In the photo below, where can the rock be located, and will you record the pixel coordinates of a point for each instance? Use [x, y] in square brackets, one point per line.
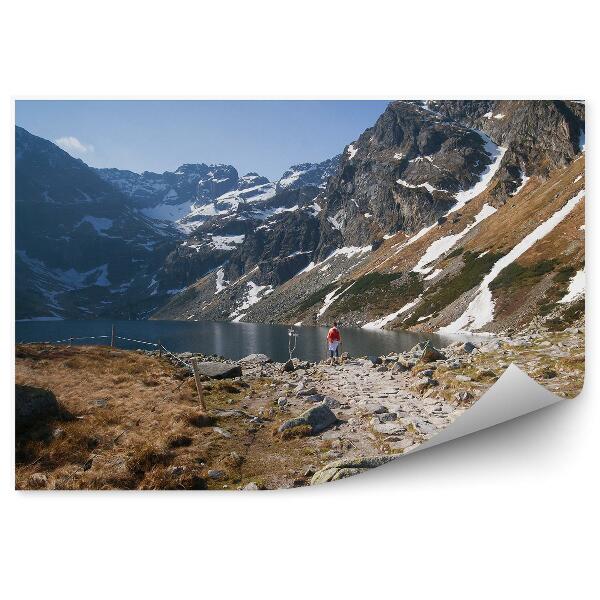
[463, 396]
[176, 471]
[288, 367]
[400, 367]
[256, 359]
[463, 378]
[468, 347]
[235, 459]
[282, 401]
[431, 354]
[486, 373]
[251, 486]
[375, 360]
[216, 474]
[318, 418]
[100, 402]
[382, 369]
[424, 382]
[389, 428]
[377, 409]
[307, 391]
[385, 417]
[314, 398]
[38, 481]
[219, 370]
[426, 373]
[310, 471]
[346, 467]
[331, 402]
[222, 432]
[33, 404]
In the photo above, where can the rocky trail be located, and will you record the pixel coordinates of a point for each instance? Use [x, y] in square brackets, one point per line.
[102, 418]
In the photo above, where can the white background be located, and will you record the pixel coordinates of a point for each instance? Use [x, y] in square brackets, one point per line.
[506, 513]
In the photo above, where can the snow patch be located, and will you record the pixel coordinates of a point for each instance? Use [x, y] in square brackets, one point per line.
[253, 295]
[98, 223]
[496, 153]
[524, 180]
[380, 323]
[576, 288]
[226, 242]
[220, 283]
[443, 244]
[351, 151]
[481, 309]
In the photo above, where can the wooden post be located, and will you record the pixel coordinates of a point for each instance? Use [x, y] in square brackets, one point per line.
[198, 384]
[112, 337]
[70, 342]
[159, 349]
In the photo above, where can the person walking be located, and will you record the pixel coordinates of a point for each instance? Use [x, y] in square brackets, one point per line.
[334, 340]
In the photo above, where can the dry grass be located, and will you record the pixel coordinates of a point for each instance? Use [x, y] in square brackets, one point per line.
[132, 421]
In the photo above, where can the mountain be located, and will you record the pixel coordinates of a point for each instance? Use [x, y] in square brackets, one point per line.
[444, 215]
[447, 215]
[81, 250]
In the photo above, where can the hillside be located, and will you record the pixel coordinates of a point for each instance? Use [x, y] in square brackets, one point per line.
[444, 216]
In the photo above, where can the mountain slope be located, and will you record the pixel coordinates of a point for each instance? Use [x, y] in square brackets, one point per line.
[414, 221]
[81, 251]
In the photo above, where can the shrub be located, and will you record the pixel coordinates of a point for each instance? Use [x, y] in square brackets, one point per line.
[452, 287]
[516, 275]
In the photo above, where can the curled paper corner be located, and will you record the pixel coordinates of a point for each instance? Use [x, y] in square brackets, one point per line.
[513, 395]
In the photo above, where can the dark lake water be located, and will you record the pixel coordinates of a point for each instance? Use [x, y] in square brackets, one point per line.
[232, 340]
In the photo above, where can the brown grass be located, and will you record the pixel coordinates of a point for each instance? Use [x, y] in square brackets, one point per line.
[132, 421]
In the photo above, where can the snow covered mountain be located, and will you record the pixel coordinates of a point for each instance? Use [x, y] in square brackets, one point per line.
[445, 216]
[81, 250]
[194, 193]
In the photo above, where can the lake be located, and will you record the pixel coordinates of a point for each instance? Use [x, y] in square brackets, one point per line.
[232, 340]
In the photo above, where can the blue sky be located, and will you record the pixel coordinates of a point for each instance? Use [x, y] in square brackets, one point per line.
[159, 135]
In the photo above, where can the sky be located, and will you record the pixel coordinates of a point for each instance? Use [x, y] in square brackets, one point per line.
[266, 136]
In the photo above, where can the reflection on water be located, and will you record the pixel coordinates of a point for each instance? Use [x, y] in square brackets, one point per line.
[233, 340]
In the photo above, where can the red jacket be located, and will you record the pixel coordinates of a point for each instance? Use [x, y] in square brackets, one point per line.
[333, 335]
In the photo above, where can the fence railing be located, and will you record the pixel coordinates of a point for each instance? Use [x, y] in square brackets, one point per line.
[113, 337]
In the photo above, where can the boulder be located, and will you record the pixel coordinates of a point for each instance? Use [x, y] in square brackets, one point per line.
[424, 382]
[400, 367]
[347, 467]
[375, 360]
[314, 398]
[468, 347]
[288, 367]
[431, 354]
[318, 418]
[307, 391]
[34, 404]
[219, 370]
[256, 359]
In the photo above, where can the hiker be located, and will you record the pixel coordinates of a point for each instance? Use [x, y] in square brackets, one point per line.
[333, 342]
